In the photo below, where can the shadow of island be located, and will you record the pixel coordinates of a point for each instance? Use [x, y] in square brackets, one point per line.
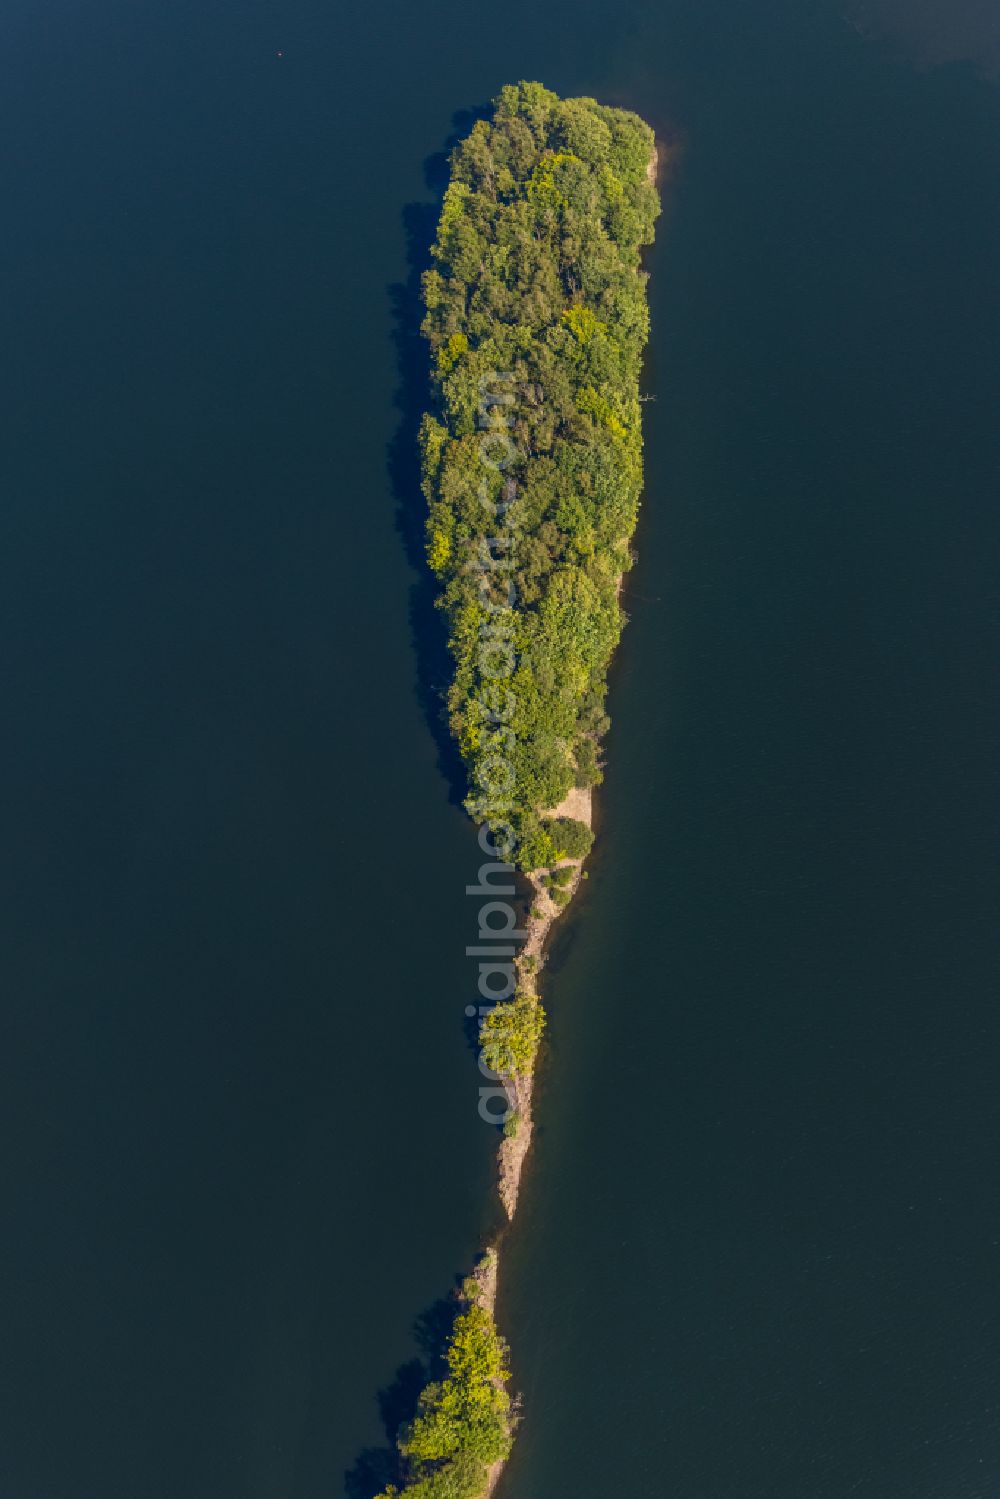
[411, 400]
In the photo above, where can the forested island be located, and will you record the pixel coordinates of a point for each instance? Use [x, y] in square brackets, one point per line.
[531, 459]
[536, 302]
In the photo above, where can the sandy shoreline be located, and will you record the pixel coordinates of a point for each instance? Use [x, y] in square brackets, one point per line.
[520, 1090]
[511, 1155]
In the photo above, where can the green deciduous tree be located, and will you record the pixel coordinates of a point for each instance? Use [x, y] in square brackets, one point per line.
[510, 1033]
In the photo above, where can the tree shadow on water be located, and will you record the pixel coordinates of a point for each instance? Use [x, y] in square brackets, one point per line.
[412, 400]
[376, 1467]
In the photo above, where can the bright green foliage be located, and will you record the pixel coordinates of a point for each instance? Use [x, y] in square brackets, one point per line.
[532, 458]
[463, 1422]
[570, 839]
[510, 1033]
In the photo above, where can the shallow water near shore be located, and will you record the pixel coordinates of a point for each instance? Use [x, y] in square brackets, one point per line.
[756, 1249]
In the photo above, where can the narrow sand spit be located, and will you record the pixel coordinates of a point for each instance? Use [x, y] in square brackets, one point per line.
[511, 1155]
[485, 1276]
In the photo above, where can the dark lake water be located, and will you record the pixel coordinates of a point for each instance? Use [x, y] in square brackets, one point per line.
[759, 1241]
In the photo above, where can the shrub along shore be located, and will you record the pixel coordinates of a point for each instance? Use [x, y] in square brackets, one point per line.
[531, 456]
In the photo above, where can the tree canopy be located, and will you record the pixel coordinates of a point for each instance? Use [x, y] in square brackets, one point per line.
[463, 1422]
[532, 452]
[510, 1034]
